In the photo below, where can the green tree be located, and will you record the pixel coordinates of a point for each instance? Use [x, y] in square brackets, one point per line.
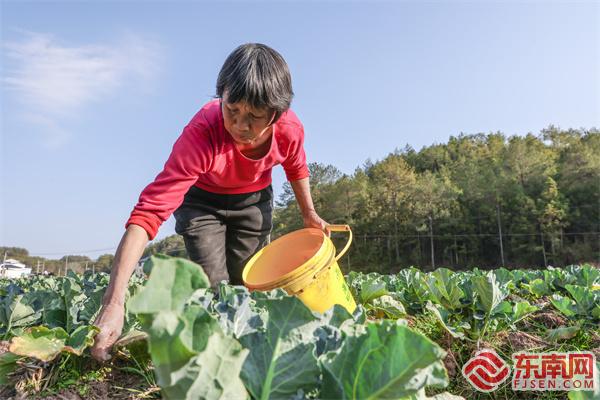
[172, 245]
[391, 184]
[13, 252]
[552, 212]
[104, 263]
[434, 197]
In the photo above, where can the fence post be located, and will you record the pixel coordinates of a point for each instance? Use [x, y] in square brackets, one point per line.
[419, 245]
[500, 232]
[543, 248]
[431, 240]
[455, 250]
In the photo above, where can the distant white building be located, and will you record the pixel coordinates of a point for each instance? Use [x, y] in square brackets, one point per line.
[11, 268]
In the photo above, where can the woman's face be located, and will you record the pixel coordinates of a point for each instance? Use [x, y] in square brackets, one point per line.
[244, 123]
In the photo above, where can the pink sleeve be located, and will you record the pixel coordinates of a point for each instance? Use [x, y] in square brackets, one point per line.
[190, 157]
[295, 164]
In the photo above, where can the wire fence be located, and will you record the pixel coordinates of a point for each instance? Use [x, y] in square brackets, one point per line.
[494, 248]
[463, 250]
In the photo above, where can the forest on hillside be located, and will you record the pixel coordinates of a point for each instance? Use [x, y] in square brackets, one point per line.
[482, 200]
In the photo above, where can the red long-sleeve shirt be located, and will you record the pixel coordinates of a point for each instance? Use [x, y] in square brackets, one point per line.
[205, 155]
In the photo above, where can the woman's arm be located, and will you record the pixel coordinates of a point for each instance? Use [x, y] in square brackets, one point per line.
[128, 254]
[310, 217]
[110, 318]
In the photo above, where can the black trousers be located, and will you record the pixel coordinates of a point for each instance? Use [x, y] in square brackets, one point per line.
[222, 231]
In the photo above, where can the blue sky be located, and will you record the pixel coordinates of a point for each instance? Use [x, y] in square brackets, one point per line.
[94, 94]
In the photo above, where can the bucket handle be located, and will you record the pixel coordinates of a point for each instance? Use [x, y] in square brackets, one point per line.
[342, 228]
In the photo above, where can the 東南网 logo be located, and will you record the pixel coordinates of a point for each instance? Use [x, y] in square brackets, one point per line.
[486, 370]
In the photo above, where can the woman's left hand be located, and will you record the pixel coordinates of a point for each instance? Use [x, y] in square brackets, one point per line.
[312, 220]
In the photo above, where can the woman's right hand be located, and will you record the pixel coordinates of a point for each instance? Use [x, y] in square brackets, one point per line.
[111, 317]
[110, 321]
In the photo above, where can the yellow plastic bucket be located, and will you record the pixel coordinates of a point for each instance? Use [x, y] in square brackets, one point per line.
[303, 263]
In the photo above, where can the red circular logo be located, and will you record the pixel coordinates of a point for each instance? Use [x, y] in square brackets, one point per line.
[486, 370]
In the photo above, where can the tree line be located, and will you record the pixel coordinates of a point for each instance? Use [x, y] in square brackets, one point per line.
[75, 263]
[483, 200]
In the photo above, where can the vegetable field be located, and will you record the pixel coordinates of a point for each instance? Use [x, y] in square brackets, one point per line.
[408, 339]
